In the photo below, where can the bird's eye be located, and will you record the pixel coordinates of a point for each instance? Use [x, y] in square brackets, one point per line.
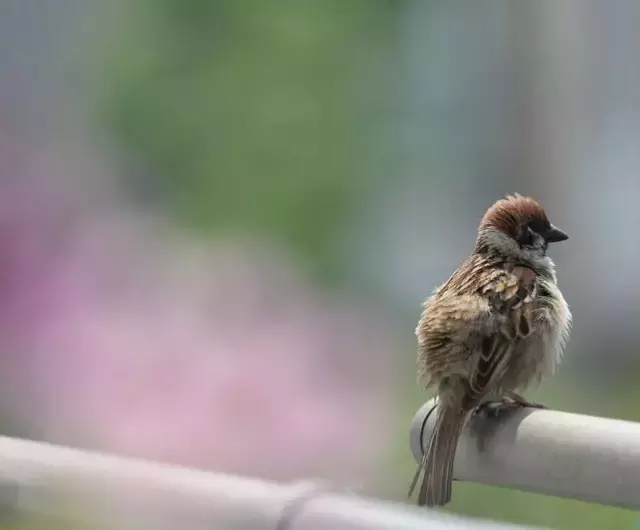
[527, 238]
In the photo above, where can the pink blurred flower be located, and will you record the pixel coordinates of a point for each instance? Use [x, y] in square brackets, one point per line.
[122, 335]
[221, 359]
[40, 206]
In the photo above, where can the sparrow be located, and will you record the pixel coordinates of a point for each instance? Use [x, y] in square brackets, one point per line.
[496, 326]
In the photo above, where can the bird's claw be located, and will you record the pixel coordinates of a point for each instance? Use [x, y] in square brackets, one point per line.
[494, 409]
[533, 405]
[522, 402]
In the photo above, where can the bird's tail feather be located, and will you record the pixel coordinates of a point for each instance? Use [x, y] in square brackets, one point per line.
[439, 456]
[414, 482]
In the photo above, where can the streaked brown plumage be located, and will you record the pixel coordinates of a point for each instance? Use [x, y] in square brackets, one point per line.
[498, 324]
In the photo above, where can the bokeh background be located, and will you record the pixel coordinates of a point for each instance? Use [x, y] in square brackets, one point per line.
[218, 220]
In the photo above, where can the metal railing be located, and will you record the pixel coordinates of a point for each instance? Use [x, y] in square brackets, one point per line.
[546, 451]
[103, 491]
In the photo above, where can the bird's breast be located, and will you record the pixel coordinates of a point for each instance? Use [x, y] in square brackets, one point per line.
[539, 354]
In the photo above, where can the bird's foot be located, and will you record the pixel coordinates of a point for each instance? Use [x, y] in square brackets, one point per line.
[495, 409]
[511, 401]
[523, 402]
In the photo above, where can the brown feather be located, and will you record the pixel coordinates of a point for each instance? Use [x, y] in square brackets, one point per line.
[511, 213]
[440, 455]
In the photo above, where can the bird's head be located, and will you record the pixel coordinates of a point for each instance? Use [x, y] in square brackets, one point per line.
[517, 227]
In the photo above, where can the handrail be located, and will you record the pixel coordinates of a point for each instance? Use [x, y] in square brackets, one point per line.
[545, 451]
[115, 492]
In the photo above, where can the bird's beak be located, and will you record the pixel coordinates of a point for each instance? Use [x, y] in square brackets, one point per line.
[554, 234]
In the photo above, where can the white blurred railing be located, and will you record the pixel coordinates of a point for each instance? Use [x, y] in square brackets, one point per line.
[102, 491]
[545, 451]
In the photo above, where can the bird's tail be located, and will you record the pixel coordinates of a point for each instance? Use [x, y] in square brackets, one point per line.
[437, 462]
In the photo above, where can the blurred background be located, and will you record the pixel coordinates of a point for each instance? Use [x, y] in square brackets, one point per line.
[218, 220]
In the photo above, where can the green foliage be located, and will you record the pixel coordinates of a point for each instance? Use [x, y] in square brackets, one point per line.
[251, 114]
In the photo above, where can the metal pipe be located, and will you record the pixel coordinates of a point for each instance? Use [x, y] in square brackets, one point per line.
[545, 451]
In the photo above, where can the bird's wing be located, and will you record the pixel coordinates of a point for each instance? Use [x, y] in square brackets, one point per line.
[453, 320]
[470, 323]
[511, 296]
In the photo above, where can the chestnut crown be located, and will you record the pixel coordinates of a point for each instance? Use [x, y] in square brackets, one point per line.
[522, 220]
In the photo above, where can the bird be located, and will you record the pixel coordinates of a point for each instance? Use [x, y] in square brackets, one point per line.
[498, 325]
